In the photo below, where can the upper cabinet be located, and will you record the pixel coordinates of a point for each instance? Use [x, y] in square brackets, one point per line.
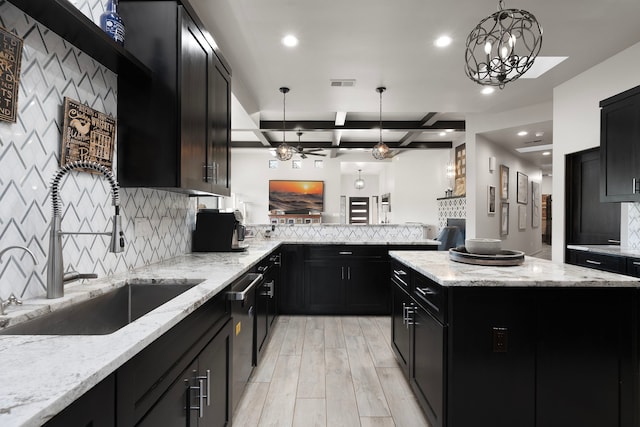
[620, 147]
[174, 132]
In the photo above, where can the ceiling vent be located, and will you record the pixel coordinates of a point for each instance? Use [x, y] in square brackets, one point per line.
[343, 82]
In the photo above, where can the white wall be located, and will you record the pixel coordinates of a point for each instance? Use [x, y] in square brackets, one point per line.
[528, 240]
[547, 185]
[576, 125]
[415, 179]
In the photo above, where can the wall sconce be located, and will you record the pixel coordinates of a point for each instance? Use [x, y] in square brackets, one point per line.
[492, 164]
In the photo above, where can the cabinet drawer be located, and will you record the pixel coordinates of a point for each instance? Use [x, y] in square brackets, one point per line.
[633, 267]
[344, 251]
[430, 295]
[401, 275]
[612, 263]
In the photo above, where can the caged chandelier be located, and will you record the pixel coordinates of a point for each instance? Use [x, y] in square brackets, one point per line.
[380, 151]
[502, 47]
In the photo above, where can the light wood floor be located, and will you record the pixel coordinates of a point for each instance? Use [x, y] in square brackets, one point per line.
[329, 371]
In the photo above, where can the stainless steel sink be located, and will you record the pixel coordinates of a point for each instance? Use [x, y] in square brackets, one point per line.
[103, 314]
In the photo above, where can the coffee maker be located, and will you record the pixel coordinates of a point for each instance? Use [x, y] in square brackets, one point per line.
[218, 231]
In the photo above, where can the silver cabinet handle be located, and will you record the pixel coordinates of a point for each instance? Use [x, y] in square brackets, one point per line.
[399, 272]
[342, 273]
[593, 262]
[410, 311]
[206, 378]
[636, 263]
[348, 273]
[404, 313]
[345, 253]
[613, 241]
[635, 186]
[200, 405]
[426, 291]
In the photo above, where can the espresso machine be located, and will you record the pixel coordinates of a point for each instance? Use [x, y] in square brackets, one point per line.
[219, 231]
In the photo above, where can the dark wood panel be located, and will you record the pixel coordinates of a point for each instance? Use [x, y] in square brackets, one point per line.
[95, 408]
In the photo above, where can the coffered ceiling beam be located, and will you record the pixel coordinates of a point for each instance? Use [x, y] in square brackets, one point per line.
[349, 145]
[327, 126]
[411, 136]
[262, 137]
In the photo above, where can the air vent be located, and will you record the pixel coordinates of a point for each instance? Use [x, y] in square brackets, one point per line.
[531, 142]
[343, 82]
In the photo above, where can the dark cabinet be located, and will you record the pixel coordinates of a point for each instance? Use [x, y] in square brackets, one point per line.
[290, 286]
[175, 132]
[598, 261]
[266, 303]
[401, 302]
[95, 408]
[346, 279]
[589, 220]
[620, 147]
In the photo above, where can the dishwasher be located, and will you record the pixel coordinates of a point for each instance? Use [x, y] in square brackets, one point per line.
[242, 298]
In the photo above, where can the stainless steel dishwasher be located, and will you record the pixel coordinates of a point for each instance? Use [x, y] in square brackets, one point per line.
[242, 297]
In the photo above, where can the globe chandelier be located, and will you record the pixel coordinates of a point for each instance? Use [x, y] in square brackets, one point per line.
[502, 47]
[359, 183]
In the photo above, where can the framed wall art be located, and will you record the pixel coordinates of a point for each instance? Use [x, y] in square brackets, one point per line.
[296, 197]
[504, 218]
[522, 217]
[10, 62]
[535, 204]
[491, 200]
[504, 182]
[523, 188]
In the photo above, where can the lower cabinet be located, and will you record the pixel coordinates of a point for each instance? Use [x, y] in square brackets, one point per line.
[290, 286]
[203, 388]
[526, 357]
[95, 408]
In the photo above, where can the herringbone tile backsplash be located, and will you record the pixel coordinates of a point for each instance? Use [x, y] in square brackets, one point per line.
[29, 157]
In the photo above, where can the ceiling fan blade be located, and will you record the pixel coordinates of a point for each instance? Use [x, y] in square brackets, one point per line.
[316, 154]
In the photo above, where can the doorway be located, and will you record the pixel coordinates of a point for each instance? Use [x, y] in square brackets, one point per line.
[358, 210]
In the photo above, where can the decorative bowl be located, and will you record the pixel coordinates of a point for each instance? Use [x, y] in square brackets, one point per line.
[483, 246]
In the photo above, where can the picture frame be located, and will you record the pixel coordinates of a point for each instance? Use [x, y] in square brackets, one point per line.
[273, 164]
[296, 164]
[491, 200]
[522, 217]
[522, 183]
[536, 202]
[504, 218]
[504, 182]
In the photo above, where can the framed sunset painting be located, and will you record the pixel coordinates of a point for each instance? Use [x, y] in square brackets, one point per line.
[296, 197]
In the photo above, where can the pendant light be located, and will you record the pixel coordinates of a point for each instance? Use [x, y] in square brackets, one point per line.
[380, 150]
[359, 183]
[502, 47]
[284, 151]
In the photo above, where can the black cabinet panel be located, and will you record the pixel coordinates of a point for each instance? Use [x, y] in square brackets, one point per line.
[589, 221]
[291, 285]
[325, 287]
[612, 263]
[620, 147]
[95, 408]
[400, 332]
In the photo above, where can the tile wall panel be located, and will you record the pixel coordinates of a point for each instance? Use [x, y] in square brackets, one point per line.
[633, 224]
[339, 232]
[29, 157]
[455, 207]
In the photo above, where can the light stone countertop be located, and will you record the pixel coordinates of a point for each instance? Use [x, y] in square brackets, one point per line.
[41, 375]
[534, 272]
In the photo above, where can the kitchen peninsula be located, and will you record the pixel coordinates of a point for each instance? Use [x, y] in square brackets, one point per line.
[539, 344]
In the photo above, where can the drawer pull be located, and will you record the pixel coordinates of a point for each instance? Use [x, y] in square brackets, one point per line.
[399, 272]
[589, 261]
[345, 253]
[636, 262]
[426, 291]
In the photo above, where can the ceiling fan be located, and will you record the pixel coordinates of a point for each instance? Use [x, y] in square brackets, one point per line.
[303, 152]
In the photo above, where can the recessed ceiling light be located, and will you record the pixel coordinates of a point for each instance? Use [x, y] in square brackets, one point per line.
[443, 133]
[523, 133]
[290, 40]
[449, 130]
[539, 134]
[546, 153]
[443, 41]
[533, 148]
[488, 90]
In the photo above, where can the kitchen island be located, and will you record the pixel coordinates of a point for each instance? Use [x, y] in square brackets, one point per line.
[539, 344]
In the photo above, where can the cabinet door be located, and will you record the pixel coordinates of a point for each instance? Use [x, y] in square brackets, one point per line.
[620, 145]
[195, 59]
[367, 286]
[260, 320]
[400, 333]
[324, 286]
[427, 373]
[291, 287]
[589, 221]
[220, 128]
[170, 409]
[214, 363]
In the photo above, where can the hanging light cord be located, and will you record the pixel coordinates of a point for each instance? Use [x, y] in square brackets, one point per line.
[381, 90]
[284, 112]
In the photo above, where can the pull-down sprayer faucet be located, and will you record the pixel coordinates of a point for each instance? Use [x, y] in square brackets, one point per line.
[55, 266]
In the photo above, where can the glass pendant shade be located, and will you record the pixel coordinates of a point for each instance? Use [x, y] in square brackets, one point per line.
[502, 47]
[284, 152]
[359, 183]
[380, 151]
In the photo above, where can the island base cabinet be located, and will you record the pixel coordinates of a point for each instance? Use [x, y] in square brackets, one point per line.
[400, 332]
[95, 408]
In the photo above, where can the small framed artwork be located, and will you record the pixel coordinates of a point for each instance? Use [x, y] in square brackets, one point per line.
[296, 164]
[504, 218]
[504, 182]
[491, 200]
[535, 204]
[273, 164]
[523, 188]
[307, 220]
[281, 220]
[274, 220]
[291, 221]
[522, 217]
